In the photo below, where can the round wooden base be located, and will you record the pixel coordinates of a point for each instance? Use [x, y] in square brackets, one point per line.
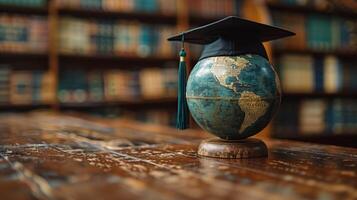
[238, 149]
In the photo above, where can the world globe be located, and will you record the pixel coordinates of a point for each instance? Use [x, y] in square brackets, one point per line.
[233, 97]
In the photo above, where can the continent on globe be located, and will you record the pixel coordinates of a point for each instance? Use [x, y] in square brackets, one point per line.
[224, 67]
[253, 107]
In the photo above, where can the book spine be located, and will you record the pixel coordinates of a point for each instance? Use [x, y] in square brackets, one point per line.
[21, 87]
[4, 84]
[319, 74]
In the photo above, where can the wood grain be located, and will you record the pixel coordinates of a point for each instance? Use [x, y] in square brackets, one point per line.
[234, 149]
[53, 156]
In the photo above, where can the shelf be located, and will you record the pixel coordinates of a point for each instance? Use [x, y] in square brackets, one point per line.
[339, 53]
[155, 18]
[89, 60]
[24, 60]
[345, 139]
[23, 10]
[18, 55]
[22, 107]
[299, 95]
[310, 10]
[129, 103]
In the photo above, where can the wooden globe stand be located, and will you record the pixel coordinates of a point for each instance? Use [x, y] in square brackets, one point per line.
[236, 149]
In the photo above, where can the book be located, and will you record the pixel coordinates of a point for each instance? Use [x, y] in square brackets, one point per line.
[21, 87]
[47, 92]
[95, 86]
[79, 86]
[170, 81]
[320, 75]
[73, 86]
[332, 75]
[312, 116]
[111, 90]
[133, 85]
[4, 84]
[349, 75]
[37, 77]
[104, 38]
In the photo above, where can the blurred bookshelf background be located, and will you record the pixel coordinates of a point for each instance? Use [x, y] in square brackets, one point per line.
[318, 70]
[111, 58]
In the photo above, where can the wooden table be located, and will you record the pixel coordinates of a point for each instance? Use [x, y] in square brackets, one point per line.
[52, 156]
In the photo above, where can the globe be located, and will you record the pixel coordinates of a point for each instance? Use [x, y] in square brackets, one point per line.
[233, 97]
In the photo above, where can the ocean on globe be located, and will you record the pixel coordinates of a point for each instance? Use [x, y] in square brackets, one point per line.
[233, 97]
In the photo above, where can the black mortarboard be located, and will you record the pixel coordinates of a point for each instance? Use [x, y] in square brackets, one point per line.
[232, 36]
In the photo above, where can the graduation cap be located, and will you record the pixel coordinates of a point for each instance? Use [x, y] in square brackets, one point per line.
[231, 36]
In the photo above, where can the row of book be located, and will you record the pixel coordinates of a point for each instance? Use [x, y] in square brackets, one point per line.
[149, 6]
[24, 87]
[306, 74]
[25, 3]
[114, 85]
[214, 8]
[204, 8]
[323, 5]
[317, 116]
[316, 31]
[23, 34]
[115, 37]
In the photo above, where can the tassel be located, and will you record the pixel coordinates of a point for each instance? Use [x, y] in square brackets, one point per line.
[182, 110]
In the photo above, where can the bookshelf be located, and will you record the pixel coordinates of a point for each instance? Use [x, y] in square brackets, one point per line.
[53, 61]
[322, 108]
